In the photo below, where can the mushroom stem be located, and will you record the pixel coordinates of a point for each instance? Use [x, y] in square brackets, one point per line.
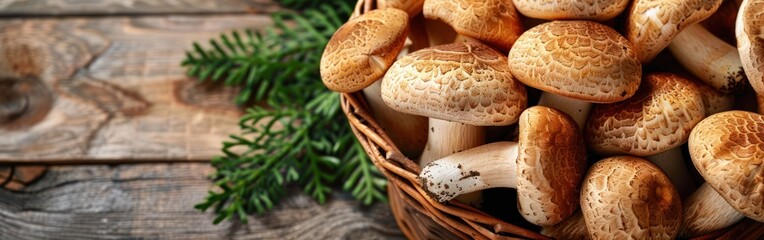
[408, 132]
[709, 58]
[672, 163]
[577, 109]
[760, 103]
[572, 227]
[488, 166]
[707, 211]
[446, 138]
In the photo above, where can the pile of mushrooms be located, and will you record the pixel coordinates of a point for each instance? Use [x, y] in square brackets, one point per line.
[587, 108]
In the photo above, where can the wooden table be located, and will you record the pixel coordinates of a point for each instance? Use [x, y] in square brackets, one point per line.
[103, 136]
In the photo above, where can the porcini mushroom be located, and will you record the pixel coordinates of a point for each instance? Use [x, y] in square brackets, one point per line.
[651, 25]
[599, 10]
[627, 197]
[358, 55]
[461, 87]
[727, 149]
[653, 123]
[714, 61]
[545, 167]
[493, 22]
[750, 41]
[581, 61]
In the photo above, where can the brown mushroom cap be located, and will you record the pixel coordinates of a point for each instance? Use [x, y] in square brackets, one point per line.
[494, 22]
[550, 164]
[577, 59]
[750, 41]
[728, 150]
[651, 25]
[630, 198]
[360, 52]
[461, 82]
[657, 118]
[598, 10]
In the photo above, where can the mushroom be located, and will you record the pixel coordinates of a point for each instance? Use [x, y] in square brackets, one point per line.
[576, 63]
[358, 55]
[545, 167]
[651, 25]
[714, 61]
[599, 10]
[627, 197]
[461, 87]
[750, 41]
[653, 123]
[493, 22]
[727, 149]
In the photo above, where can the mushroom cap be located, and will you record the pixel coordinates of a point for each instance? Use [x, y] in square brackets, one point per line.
[598, 10]
[627, 197]
[728, 150]
[657, 118]
[362, 49]
[461, 82]
[551, 162]
[494, 22]
[651, 25]
[577, 59]
[750, 41]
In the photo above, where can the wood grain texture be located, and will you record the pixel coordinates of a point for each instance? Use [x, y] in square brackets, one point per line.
[111, 90]
[110, 7]
[155, 201]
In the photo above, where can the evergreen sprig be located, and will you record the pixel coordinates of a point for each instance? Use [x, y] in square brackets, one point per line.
[300, 136]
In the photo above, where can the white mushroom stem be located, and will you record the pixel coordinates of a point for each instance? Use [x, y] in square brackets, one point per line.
[707, 211]
[709, 58]
[672, 163]
[488, 166]
[446, 138]
[572, 227]
[577, 109]
[408, 132]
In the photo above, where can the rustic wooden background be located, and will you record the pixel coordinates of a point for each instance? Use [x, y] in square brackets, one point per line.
[103, 137]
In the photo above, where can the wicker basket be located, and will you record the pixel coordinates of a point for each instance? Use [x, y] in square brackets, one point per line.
[421, 217]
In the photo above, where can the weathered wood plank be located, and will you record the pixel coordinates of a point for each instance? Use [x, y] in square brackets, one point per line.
[110, 7]
[111, 90]
[155, 201]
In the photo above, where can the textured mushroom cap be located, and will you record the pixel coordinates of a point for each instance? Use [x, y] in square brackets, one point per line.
[599, 10]
[651, 25]
[577, 59]
[750, 41]
[630, 198]
[550, 164]
[728, 150]
[362, 49]
[494, 22]
[659, 117]
[461, 82]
